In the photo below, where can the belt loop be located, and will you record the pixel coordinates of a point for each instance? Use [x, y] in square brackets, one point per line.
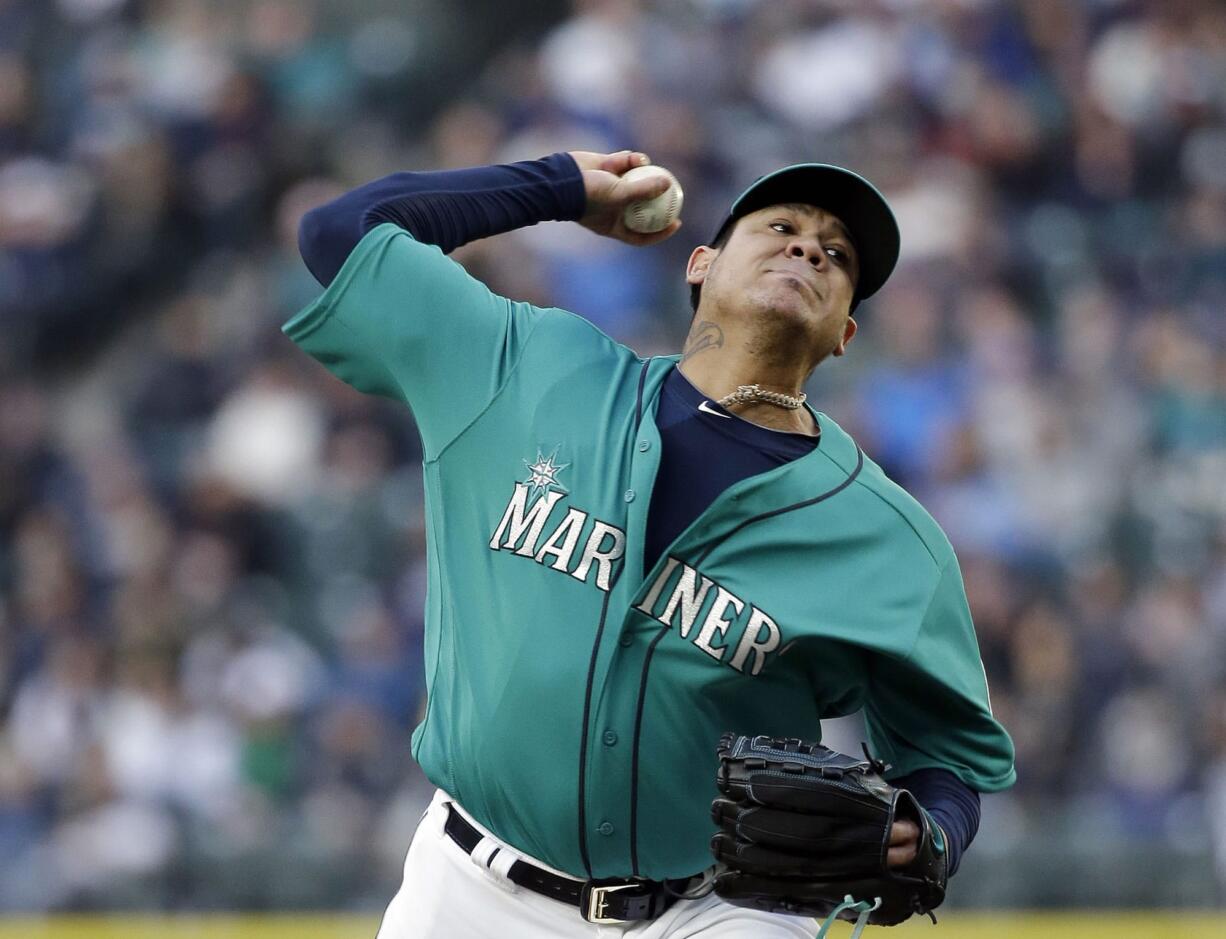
[501, 864]
[486, 854]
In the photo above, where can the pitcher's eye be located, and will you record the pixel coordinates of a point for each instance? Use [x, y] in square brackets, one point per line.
[784, 228]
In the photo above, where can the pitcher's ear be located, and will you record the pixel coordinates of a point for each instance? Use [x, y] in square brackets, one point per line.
[699, 264]
[849, 333]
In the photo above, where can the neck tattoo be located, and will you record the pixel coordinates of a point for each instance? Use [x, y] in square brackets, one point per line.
[745, 394]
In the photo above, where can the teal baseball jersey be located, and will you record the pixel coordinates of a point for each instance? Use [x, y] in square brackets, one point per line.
[575, 696]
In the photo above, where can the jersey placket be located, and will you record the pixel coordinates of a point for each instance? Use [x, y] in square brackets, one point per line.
[618, 661]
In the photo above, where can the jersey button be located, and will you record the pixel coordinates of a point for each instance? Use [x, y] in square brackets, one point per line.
[625, 642]
[644, 446]
[605, 828]
[610, 738]
[629, 495]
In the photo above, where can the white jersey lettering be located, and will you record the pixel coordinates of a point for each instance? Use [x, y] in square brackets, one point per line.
[603, 559]
[689, 597]
[760, 638]
[657, 587]
[716, 623]
[520, 523]
[563, 541]
[753, 644]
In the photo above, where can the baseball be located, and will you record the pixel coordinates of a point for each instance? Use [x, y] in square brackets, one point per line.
[652, 215]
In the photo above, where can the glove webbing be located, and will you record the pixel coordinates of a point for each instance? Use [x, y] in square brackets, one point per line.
[862, 907]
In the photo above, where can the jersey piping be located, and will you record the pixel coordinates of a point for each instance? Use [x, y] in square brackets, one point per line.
[587, 713]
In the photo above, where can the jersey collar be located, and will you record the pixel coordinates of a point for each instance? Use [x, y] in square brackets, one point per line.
[836, 445]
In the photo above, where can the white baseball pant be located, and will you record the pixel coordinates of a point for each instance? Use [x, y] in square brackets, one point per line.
[448, 894]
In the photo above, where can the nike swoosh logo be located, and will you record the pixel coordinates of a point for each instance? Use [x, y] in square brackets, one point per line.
[707, 409]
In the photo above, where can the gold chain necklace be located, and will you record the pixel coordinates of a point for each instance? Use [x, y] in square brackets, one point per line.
[744, 394]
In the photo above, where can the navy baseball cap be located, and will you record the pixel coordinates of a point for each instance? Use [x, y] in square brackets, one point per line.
[847, 195]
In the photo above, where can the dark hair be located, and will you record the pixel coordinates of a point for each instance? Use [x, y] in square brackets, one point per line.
[718, 242]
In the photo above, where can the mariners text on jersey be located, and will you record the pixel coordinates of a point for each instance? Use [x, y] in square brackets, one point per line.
[523, 527]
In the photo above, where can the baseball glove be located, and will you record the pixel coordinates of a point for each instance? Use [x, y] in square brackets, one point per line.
[805, 830]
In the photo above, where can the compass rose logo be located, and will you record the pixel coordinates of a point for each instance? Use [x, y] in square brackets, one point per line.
[543, 474]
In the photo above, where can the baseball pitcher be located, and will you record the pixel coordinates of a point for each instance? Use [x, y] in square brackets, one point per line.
[651, 579]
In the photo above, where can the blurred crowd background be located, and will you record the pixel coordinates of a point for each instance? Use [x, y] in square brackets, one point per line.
[211, 552]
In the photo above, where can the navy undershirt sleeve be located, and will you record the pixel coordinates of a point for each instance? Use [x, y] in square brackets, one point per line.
[447, 208]
[951, 802]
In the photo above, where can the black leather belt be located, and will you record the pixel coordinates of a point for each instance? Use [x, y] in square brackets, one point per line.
[599, 901]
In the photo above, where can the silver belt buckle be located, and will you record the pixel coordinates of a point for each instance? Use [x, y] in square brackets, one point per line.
[597, 904]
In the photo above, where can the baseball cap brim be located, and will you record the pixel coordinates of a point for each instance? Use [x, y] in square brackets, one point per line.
[847, 195]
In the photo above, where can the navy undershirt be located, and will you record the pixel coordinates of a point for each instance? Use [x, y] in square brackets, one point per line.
[702, 453]
[705, 449]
